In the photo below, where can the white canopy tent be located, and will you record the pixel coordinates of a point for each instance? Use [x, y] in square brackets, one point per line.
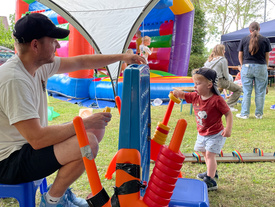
[108, 25]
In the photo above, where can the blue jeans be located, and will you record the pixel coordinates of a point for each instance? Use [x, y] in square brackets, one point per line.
[257, 74]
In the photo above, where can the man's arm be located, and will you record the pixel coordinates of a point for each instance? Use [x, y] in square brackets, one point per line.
[39, 137]
[240, 57]
[81, 62]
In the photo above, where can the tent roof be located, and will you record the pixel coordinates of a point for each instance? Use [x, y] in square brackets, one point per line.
[107, 25]
[267, 30]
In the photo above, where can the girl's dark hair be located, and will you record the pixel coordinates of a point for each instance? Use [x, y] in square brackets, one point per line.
[254, 28]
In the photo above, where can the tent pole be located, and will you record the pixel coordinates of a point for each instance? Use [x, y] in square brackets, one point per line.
[265, 10]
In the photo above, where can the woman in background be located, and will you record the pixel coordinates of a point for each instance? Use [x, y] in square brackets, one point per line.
[254, 56]
[218, 62]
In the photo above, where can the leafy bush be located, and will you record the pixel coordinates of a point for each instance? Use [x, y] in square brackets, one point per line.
[196, 61]
[6, 39]
[199, 31]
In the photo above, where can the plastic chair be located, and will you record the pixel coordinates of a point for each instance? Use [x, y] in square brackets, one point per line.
[23, 192]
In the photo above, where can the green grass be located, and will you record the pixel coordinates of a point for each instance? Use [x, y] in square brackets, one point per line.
[240, 184]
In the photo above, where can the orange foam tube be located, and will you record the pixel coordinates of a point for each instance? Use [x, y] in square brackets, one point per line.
[118, 103]
[90, 165]
[178, 135]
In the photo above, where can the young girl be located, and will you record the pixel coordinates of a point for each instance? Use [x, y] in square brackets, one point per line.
[145, 51]
[218, 62]
[209, 107]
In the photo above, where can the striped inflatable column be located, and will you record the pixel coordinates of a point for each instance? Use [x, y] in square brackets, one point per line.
[182, 37]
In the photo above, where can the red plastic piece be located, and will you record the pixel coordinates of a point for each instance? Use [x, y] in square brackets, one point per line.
[177, 157]
[167, 170]
[169, 163]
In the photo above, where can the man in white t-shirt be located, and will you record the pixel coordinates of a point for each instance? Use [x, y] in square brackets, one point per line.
[29, 148]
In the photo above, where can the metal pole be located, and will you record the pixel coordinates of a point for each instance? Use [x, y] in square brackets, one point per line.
[265, 10]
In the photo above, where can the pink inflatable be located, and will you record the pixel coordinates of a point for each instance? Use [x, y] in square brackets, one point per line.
[63, 50]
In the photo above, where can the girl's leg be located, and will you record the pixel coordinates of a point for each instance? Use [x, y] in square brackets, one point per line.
[236, 89]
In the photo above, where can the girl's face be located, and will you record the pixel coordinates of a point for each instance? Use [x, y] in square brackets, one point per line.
[202, 86]
[147, 42]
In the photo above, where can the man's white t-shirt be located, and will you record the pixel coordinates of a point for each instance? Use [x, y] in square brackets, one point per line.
[22, 97]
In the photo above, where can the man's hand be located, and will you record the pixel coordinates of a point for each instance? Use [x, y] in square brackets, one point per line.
[131, 59]
[97, 120]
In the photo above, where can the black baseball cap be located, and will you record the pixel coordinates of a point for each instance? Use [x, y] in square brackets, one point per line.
[211, 75]
[35, 26]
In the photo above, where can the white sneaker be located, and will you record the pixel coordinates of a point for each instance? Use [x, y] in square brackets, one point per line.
[242, 117]
[258, 116]
[233, 109]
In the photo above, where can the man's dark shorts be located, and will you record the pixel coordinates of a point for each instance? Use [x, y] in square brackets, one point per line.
[27, 165]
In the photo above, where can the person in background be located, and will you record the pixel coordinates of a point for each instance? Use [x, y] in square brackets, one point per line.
[227, 96]
[218, 62]
[209, 107]
[145, 51]
[138, 41]
[254, 56]
[29, 148]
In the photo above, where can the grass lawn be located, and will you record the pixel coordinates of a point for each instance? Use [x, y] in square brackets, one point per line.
[240, 184]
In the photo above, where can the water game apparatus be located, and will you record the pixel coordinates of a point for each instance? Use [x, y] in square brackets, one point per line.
[127, 190]
[166, 171]
[162, 129]
[159, 136]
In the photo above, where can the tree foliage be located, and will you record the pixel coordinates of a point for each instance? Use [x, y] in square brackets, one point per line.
[199, 32]
[197, 57]
[6, 39]
[224, 16]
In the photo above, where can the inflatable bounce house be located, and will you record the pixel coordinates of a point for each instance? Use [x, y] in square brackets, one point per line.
[112, 30]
